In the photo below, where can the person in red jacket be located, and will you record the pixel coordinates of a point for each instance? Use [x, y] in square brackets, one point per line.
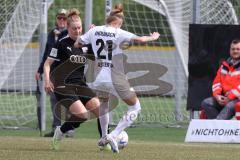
[225, 88]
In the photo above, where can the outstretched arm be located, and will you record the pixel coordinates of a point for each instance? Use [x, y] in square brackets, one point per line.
[153, 36]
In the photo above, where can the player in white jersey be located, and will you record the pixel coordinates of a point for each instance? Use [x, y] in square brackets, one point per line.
[107, 43]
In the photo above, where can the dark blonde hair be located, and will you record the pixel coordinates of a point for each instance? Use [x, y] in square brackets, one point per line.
[116, 13]
[73, 16]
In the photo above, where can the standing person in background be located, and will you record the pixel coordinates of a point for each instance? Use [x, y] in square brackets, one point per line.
[225, 88]
[57, 32]
[107, 43]
[68, 80]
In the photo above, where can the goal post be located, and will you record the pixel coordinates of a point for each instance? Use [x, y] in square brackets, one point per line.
[41, 107]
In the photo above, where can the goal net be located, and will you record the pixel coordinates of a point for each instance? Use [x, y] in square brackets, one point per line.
[19, 20]
[19, 58]
[158, 70]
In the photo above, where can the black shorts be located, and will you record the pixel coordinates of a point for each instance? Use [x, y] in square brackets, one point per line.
[67, 95]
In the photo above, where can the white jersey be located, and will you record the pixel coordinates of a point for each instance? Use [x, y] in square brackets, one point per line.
[106, 43]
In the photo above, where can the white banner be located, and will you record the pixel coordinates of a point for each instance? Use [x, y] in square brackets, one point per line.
[217, 131]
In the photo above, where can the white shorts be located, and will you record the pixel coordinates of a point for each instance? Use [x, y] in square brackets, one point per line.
[103, 89]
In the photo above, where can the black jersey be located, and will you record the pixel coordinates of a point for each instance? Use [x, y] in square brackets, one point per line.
[69, 62]
[51, 40]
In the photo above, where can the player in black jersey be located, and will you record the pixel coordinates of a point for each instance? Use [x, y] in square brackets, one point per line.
[67, 81]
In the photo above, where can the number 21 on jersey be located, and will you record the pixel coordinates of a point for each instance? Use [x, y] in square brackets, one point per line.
[101, 44]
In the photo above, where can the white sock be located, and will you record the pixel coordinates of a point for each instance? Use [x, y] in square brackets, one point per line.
[104, 118]
[128, 118]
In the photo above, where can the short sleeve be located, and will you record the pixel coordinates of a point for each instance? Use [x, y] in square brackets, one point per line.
[86, 38]
[127, 35]
[54, 52]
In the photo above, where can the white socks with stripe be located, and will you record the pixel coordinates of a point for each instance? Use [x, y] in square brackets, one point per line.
[128, 118]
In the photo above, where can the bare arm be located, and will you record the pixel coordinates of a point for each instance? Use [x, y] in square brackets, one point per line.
[153, 36]
[48, 84]
[77, 43]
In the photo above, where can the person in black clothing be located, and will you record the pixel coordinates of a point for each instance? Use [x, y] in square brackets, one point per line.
[67, 80]
[56, 33]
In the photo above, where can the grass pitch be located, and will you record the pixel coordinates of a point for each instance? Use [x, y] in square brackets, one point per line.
[144, 144]
[85, 149]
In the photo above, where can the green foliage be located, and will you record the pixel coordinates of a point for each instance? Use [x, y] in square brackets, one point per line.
[98, 12]
[236, 5]
[140, 27]
[78, 4]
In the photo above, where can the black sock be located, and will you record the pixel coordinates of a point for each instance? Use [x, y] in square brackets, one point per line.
[67, 126]
[71, 124]
[99, 128]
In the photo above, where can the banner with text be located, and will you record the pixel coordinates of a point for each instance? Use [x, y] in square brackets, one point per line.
[217, 131]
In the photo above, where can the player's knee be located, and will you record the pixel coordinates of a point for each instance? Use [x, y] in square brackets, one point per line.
[206, 103]
[94, 103]
[80, 117]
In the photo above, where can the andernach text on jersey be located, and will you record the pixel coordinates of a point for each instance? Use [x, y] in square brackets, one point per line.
[105, 34]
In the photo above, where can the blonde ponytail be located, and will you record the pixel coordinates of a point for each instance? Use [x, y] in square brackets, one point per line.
[73, 15]
[116, 13]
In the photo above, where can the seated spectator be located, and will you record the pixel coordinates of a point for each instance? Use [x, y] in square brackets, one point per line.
[225, 88]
